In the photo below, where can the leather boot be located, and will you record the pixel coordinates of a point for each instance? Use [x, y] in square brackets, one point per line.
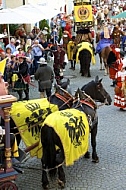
[20, 95]
[26, 95]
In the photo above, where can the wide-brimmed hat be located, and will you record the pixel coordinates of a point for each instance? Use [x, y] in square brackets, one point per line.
[21, 56]
[42, 61]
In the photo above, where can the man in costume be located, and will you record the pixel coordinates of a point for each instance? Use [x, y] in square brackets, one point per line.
[59, 57]
[44, 75]
[116, 35]
[23, 72]
[70, 47]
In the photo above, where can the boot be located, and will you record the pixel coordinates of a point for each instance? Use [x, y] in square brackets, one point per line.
[20, 95]
[26, 95]
[71, 64]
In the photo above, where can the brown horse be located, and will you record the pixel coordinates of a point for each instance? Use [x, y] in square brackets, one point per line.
[103, 55]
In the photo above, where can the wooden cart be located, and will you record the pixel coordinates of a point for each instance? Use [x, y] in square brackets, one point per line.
[7, 172]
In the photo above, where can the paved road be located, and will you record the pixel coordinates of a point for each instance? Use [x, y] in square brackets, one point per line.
[110, 172]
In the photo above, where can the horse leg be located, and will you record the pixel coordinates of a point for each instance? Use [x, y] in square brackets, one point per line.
[100, 61]
[59, 160]
[61, 177]
[93, 143]
[45, 181]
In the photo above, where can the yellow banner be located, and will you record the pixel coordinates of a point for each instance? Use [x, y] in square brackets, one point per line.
[2, 65]
[72, 127]
[29, 117]
[83, 13]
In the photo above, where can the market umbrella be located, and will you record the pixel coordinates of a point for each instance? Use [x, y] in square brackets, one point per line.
[120, 15]
[10, 16]
[37, 10]
[32, 12]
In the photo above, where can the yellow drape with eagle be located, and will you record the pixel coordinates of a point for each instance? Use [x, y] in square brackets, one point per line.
[88, 46]
[28, 117]
[72, 127]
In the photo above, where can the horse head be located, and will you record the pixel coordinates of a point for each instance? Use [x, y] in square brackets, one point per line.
[62, 95]
[97, 92]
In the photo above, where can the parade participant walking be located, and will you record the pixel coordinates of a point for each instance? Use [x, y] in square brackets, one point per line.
[120, 89]
[59, 57]
[70, 47]
[44, 75]
[22, 84]
[116, 35]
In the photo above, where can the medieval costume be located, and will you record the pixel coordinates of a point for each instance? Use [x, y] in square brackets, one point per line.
[120, 89]
[65, 39]
[116, 36]
[70, 47]
[44, 75]
[59, 56]
[113, 62]
[21, 84]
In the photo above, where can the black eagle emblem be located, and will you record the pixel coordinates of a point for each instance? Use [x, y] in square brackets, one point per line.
[76, 129]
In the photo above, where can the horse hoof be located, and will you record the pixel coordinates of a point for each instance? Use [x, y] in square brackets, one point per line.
[61, 184]
[95, 160]
[87, 155]
[45, 187]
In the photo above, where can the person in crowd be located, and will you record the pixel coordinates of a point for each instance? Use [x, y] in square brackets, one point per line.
[52, 23]
[68, 28]
[29, 56]
[59, 57]
[8, 53]
[70, 48]
[11, 45]
[3, 86]
[13, 67]
[44, 44]
[17, 44]
[22, 85]
[116, 36]
[62, 24]
[120, 89]
[37, 50]
[44, 75]
[54, 35]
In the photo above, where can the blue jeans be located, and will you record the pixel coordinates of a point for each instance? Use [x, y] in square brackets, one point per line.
[35, 62]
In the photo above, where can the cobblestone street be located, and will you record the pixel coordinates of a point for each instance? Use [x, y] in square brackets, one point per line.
[110, 172]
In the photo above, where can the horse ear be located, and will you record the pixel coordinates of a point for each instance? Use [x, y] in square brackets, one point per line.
[68, 81]
[100, 80]
[97, 79]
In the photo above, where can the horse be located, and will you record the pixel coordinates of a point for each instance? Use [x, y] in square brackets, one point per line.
[85, 54]
[52, 158]
[103, 49]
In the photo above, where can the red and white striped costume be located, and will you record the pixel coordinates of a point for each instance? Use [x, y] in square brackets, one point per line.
[120, 98]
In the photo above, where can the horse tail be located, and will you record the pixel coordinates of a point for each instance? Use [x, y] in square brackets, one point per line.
[49, 149]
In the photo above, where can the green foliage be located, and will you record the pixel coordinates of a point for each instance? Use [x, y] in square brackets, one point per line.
[43, 23]
[13, 27]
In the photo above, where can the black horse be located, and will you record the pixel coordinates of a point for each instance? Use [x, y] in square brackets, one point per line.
[95, 92]
[49, 138]
[85, 60]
